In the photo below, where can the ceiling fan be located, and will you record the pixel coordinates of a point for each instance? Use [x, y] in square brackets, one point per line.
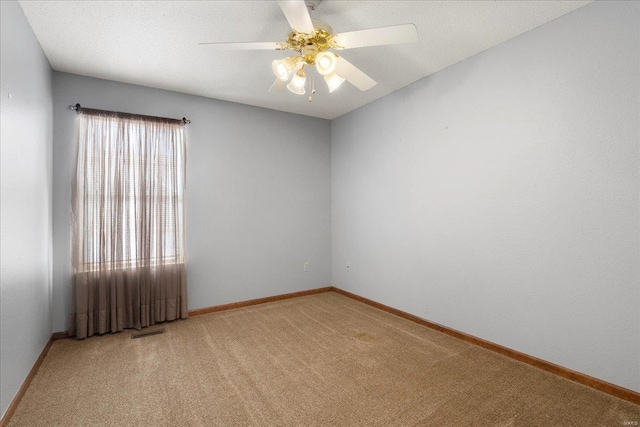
[312, 41]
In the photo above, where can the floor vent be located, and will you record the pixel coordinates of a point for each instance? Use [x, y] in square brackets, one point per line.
[147, 333]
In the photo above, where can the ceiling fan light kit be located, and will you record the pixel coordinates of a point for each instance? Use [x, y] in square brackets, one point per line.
[326, 63]
[296, 85]
[312, 50]
[282, 68]
[311, 40]
[333, 81]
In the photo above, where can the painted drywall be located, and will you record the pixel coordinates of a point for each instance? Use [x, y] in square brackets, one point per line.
[25, 206]
[258, 192]
[499, 197]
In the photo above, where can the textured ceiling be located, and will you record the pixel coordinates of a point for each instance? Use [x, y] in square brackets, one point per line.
[155, 43]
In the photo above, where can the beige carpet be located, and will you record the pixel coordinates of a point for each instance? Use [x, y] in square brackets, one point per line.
[317, 360]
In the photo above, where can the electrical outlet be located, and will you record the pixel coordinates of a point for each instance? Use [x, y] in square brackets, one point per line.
[348, 267]
[306, 266]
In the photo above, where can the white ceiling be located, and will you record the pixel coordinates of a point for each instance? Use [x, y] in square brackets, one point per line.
[155, 43]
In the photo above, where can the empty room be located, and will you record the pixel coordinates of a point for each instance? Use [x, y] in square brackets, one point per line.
[331, 213]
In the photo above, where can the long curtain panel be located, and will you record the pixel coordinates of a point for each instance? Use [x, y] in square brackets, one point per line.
[128, 243]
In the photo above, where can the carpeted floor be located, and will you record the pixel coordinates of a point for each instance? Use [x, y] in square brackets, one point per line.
[316, 360]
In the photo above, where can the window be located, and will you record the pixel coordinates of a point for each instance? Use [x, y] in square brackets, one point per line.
[131, 192]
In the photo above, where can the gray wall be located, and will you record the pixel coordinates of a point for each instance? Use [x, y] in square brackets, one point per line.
[499, 197]
[258, 192]
[25, 205]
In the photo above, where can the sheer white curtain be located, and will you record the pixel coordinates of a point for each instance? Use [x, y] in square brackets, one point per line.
[128, 244]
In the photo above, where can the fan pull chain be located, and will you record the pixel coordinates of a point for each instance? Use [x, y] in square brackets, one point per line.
[313, 86]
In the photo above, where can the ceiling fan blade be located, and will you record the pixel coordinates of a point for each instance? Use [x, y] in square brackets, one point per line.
[405, 33]
[278, 86]
[297, 14]
[353, 75]
[247, 46]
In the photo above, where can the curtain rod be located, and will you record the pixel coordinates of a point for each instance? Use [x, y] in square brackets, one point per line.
[79, 108]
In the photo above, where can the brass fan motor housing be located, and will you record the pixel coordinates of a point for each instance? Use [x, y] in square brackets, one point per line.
[309, 45]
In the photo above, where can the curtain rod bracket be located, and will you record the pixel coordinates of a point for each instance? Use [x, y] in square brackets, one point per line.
[76, 107]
